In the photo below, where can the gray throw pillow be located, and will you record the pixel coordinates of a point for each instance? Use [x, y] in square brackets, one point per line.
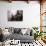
[17, 30]
[11, 29]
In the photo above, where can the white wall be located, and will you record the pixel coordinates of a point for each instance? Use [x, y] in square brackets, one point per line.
[31, 14]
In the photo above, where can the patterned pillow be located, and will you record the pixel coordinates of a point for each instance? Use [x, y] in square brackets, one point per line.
[11, 29]
[17, 30]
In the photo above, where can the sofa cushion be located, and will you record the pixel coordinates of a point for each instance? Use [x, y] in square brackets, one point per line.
[11, 29]
[22, 38]
[23, 31]
[17, 30]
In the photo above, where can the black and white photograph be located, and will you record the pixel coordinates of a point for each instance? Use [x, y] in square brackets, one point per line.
[17, 16]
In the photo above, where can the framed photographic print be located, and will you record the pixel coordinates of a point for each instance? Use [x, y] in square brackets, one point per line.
[15, 16]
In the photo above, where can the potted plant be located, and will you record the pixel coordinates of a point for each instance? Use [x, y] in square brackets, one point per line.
[37, 33]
